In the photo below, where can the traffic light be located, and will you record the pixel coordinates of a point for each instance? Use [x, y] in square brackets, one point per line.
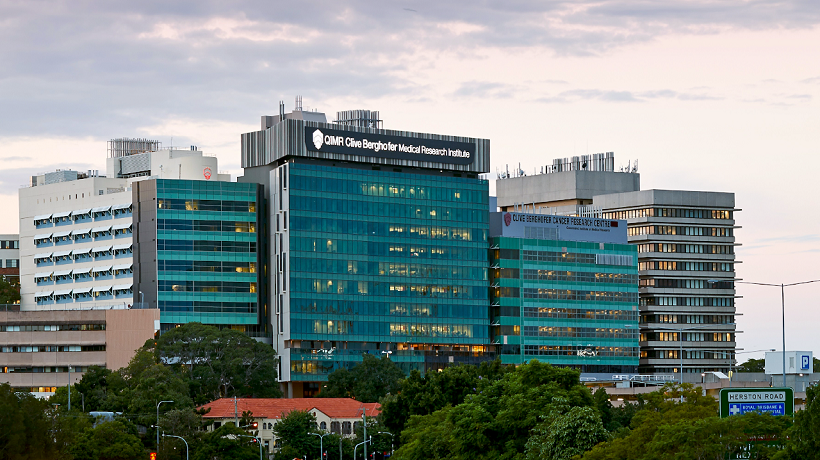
[254, 425]
[152, 456]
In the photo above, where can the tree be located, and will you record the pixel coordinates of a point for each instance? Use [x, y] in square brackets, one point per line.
[94, 387]
[419, 395]
[565, 435]
[496, 420]
[226, 443]
[293, 430]
[9, 291]
[664, 427]
[25, 432]
[752, 365]
[113, 440]
[804, 436]
[218, 363]
[427, 437]
[368, 381]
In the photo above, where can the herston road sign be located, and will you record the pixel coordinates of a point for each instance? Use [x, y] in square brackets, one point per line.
[775, 401]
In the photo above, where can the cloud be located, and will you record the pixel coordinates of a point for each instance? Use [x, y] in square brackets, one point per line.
[16, 158]
[12, 179]
[622, 96]
[484, 89]
[105, 68]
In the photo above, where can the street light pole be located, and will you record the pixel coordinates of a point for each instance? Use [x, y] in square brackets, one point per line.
[178, 437]
[680, 339]
[783, 287]
[258, 440]
[321, 443]
[158, 422]
[391, 440]
[731, 362]
[357, 446]
[69, 388]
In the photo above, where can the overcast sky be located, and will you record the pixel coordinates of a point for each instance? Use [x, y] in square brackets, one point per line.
[706, 95]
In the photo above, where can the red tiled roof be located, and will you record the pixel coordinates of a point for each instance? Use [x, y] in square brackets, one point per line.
[273, 408]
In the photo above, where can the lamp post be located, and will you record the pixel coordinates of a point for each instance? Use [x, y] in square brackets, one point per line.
[158, 422]
[321, 442]
[258, 440]
[732, 361]
[680, 339]
[178, 437]
[391, 440]
[69, 388]
[364, 433]
[782, 287]
[357, 446]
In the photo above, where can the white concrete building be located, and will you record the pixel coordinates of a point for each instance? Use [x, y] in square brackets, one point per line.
[10, 256]
[75, 246]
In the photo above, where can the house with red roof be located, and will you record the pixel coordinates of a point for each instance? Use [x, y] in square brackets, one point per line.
[334, 415]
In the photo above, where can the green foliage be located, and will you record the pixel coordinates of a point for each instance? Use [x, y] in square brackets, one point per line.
[226, 443]
[24, 426]
[293, 430]
[94, 387]
[368, 381]
[804, 436]
[666, 428]
[219, 363]
[9, 291]
[419, 395]
[562, 436]
[113, 440]
[60, 399]
[181, 422]
[427, 437]
[752, 365]
[495, 421]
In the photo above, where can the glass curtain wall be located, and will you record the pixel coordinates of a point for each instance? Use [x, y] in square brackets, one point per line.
[386, 261]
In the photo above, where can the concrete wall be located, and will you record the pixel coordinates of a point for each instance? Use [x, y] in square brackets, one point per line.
[563, 188]
[125, 332]
[666, 197]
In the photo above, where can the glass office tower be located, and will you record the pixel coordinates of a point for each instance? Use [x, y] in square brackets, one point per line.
[559, 297]
[378, 245]
[197, 254]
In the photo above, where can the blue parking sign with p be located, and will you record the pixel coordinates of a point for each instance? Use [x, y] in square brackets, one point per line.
[805, 361]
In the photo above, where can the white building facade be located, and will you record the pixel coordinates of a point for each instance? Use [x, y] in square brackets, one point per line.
[75, 242]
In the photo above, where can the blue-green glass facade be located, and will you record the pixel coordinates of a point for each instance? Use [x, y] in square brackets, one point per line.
[384, 261]
[207, 257]
[562, 303]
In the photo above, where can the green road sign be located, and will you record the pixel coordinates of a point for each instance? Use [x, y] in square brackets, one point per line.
[775, 401]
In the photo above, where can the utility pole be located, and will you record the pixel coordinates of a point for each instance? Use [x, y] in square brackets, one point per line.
[235, 412]
[364, 434]
[69, 388]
